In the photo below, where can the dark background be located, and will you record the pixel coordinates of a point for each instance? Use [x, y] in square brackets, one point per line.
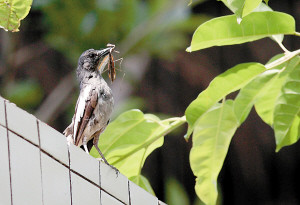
[37, 72]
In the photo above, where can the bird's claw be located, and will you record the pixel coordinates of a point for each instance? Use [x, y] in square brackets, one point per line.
[114, 168]
[111, 166]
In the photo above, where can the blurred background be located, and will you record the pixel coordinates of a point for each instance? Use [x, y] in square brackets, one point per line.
[37, 72]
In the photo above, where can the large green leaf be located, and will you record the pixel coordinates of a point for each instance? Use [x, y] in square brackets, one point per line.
[264, 105]
[129, 139]
[287, 108]
[142, 182]
[242, 7]
[212, 135]
[12, 12]
[263, 7]
[252, 92]
[231, 80]
[226, 31]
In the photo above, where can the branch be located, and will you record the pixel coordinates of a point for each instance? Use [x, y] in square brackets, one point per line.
[283, 59]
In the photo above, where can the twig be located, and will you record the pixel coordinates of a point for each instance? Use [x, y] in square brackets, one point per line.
[282, 47]
[297, 33]
[283, 59]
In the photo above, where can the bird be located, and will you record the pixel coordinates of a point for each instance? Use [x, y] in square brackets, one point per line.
[94, 104]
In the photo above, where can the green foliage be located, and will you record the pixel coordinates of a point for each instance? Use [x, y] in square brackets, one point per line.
[226, 31]
[12, 12]
[212, 135]
[253, 91]
[265, 104]
[25, 94]
[241, 7]
[273, 89]
[287, 109]
[132, 25]
[142, 182]
[231, 80]
[129, 139]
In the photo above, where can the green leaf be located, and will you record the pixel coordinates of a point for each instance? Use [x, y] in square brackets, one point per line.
[231, 80]
[267, 1]
[142, 182]
[286, 113]
[252, 92]
[264, 7]
[226, 31]
[212, 135]
[241, 7]
[129, 139]
[264, 105]
[12, 12]
[175, 193]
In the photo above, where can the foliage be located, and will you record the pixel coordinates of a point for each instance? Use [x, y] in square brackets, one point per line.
[255, 26]
[12, 12]
[25, 94]
[213, 124]
[129, 139]
[76, 25]
[212, 135]
[272, 89]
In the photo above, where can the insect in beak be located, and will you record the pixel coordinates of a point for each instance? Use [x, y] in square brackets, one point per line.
[111, 68]
[108, 59]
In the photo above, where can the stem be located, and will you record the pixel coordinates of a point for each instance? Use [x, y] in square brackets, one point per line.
[297, 33]
[282, 47]
[171, 119]
[283, 59]
[171, 127]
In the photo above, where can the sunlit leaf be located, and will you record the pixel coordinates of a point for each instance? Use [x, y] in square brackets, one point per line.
[129, 139]
[264, 105]
[264, 7]
[12, 12]
[212, 135]
[286, 113]
[252, 92]
[241, 7]
[142, 182]
[226, 31]
[231, 80]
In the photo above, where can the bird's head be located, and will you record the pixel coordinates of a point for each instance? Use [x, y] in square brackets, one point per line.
[89, 61]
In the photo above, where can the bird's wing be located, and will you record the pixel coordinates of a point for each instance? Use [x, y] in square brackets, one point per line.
[85, 106]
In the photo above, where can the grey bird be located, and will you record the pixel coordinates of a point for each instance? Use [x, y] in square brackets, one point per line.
[95, 101]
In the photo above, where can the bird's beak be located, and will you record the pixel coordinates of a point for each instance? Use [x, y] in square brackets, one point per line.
[104, 57]
[103, 52]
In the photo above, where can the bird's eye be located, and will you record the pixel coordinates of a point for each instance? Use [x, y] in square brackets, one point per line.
[91, 55]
